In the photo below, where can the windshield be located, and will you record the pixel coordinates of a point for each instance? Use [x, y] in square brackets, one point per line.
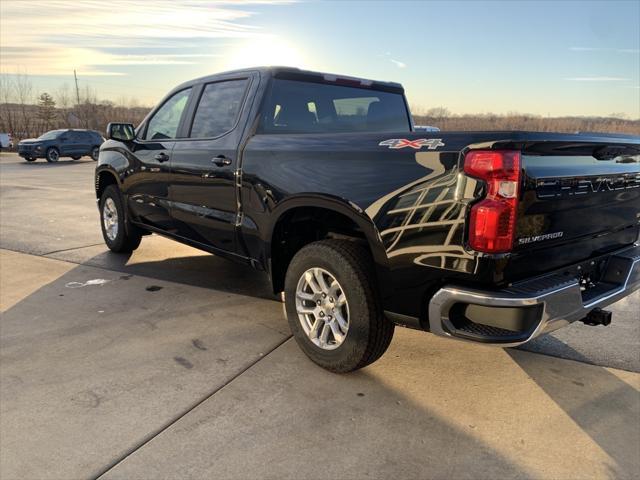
[306, 107]
[50, 135]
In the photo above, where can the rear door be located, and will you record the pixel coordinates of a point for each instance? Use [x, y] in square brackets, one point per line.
[203, 166]
[84, 143]
[147, 184]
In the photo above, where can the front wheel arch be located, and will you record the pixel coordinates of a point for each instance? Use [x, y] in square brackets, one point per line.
[105, 178]
[50, 156]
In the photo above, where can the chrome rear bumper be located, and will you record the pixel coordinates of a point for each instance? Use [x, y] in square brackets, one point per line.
[550, 302]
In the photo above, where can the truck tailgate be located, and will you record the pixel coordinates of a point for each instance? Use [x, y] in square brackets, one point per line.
[579, 200]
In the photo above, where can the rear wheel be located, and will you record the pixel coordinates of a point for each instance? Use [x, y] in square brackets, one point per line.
[119, 235]
[30, 159]
[53, 155]
[333, 308]
[76, 157]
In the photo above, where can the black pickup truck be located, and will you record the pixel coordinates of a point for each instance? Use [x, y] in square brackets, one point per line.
[321, 181]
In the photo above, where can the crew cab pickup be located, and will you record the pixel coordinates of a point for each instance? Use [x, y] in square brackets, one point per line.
[364, 223]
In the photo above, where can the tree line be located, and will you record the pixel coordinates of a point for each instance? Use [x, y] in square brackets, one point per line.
[25, 113]
[442, 118]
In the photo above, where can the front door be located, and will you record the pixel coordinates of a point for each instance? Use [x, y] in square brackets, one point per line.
[69, 143]
[203, 166]
[147, 184]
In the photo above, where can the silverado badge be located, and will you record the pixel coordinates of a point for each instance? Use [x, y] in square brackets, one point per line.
[417, 144]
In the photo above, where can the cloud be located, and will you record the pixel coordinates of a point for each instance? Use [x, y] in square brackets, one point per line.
[86, 35]
[596, 79]
[398, 63]
[602, 49]
[586, 49]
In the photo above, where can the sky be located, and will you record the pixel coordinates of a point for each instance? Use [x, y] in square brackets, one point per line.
[540, 57]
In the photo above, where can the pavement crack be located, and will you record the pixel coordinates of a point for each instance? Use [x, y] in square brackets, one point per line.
[67, 250]
[149, 437]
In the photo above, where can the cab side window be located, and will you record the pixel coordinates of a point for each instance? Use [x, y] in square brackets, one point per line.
[219, 108]
[164, 123]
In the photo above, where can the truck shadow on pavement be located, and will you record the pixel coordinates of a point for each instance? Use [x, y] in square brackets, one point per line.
[200, 270]
[600, 403]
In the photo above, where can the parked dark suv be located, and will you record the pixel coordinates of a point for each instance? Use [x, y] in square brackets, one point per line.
[61, 143]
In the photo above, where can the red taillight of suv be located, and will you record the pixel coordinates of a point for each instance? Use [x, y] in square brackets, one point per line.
[492, 221]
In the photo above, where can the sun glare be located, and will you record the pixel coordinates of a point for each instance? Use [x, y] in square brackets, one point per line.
[265, 51]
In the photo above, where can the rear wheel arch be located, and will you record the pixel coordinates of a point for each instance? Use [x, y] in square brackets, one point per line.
[303, 221]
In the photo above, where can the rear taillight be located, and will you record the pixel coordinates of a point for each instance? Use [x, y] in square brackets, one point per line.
[492, 221]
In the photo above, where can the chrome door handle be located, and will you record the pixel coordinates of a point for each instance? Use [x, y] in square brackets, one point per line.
[221, 161]
[162, 157]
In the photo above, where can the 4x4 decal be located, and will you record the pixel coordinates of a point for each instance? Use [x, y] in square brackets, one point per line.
[417, 144]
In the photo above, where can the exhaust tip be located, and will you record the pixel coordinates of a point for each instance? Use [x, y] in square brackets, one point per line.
[598, 316]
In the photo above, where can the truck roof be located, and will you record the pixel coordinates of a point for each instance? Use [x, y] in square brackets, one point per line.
[290, 72]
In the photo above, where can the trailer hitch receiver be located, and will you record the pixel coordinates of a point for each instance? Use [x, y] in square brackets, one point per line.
[598, 316]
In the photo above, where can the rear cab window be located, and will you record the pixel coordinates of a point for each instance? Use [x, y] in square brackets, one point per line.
[295, 106]
[219, 108]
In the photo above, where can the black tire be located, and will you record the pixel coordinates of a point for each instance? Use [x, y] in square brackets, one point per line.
[95, 153]
[30, 159]
[128, 236]
[370, 332]
[53, 155]
[76, 157]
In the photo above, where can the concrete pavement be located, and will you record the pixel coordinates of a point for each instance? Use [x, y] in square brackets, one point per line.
[170, 363]
[428, 409]
[94, 361]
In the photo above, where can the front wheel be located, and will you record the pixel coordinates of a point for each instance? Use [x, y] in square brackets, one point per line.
[333, 307]
[95, 153]
[76, 157]
[118, 234]
[53, 155]
[30, 159]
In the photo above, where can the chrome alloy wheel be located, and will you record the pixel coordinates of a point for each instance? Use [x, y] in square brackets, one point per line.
[322, 308]
[110, 219]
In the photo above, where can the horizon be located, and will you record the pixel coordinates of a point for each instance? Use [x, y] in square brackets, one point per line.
[565, 61]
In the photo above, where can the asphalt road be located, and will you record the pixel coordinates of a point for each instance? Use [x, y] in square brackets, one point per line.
[172, 363]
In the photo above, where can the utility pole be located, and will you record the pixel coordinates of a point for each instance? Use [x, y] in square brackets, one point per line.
[77, 90]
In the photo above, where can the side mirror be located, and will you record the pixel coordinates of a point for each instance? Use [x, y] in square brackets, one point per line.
[122, 132]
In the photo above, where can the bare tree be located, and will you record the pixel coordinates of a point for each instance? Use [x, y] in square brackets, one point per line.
[64, 102]
[23, 91]
[7, 114]
[438, 113]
